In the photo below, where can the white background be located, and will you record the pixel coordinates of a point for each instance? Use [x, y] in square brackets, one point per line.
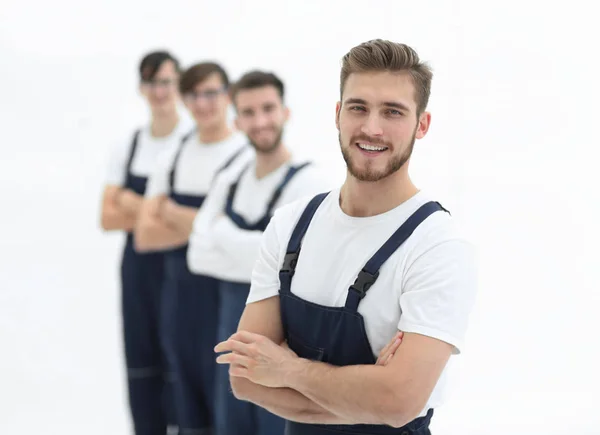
[511, 152]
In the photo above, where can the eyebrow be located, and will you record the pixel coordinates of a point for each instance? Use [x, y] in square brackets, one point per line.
[393, 104]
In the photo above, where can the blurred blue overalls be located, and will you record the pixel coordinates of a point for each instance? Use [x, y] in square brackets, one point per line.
[236, 417]
[336, 335]
[191, 311]
[141, 285]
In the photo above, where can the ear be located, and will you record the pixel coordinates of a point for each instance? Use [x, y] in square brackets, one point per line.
[338, 108]
[286, 113]
[236, 122]
[423, 125]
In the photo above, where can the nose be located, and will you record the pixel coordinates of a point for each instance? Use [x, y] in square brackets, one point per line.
[372, 125]
[202, 103]
[159, 91]
[261, 121]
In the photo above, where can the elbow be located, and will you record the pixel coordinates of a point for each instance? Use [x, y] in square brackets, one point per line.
[241, 387]
[108, 222]
[400, 416]
[141, 239]
[399, 410]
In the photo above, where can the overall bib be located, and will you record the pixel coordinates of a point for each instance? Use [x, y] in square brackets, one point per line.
[337, 335]
[141, 285]
[191, 304]
[237, 417]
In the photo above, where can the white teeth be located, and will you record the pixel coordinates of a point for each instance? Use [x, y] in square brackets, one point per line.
[371, 147]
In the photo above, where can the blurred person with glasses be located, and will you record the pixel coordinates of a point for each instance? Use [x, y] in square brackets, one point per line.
[176, 192]
[131, 163]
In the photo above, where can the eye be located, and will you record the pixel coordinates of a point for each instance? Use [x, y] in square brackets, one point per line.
[357, 109]
[394, 112]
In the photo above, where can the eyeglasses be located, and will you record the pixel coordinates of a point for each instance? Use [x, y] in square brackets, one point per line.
[158, 83]
[208, 95]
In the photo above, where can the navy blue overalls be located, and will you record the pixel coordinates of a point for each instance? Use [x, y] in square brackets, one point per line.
[141, 285]
[192, 305]
[236, 417]
[337, 335]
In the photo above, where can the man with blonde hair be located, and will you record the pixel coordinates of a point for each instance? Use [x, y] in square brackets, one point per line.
[339, 274]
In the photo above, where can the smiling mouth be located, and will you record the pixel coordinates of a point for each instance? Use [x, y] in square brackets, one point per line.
[371, 148]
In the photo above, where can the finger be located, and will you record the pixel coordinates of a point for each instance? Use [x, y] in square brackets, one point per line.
[234, 359]
[391, 349]
[238, 371]
[232, 346]
[384, 352]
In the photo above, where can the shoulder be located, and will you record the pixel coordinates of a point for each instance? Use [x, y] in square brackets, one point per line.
[440, 242]
[164, 160]
[120, 150]
[286, 217]
[231, 173]
[311, 179]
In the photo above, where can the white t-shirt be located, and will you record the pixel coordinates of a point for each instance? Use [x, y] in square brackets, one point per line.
[428, 286]
[148, 150]
[197, 165]
[218, 247]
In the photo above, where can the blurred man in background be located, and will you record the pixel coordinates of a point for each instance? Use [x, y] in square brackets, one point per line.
[131, 163]
[227, 232]
[176, 192]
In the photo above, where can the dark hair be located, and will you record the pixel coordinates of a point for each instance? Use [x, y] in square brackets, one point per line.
[383, 55]
[200, 72]
[152, 62]
[257, 79]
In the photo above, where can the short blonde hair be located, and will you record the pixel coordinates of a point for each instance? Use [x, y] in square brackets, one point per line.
[381, 55]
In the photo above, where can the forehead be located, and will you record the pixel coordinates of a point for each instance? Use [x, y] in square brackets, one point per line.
[212, 81]
[377, 88]
[257, 96]
[166, 69]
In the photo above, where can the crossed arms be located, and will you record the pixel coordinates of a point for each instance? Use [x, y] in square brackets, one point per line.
[393, 392]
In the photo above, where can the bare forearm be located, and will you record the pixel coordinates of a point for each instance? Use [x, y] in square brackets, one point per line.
[153, 234]
[129, 201]
[114, 218]
[181, 217]
[285, 402]
[360, 392]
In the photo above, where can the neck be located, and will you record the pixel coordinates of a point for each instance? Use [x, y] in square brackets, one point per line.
[364, 199]
[269, 162]
[163, 125]
[214, 134]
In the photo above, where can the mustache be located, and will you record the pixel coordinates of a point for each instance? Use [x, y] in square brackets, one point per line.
[371, 140]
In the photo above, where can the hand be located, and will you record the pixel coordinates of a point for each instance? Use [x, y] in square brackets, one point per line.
[389, 350]
[167, 209]
[128, 200]
[155, 206]
[256, 358]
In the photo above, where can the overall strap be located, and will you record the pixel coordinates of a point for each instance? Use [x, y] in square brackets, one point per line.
[288, 177]
[132, 149]
[230, 161]
[369, 274]
[176, 159]
[262, 223]
[293, 249]
[236, 218]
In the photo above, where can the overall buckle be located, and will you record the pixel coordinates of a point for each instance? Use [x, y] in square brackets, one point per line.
[363, 282]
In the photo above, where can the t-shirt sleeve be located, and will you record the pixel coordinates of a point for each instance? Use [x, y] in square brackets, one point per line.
[265, 274]
[202, 248]
[158, 182]
[117, 162]
[438, 292]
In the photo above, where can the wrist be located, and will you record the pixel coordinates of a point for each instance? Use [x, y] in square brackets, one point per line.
[297, 368]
